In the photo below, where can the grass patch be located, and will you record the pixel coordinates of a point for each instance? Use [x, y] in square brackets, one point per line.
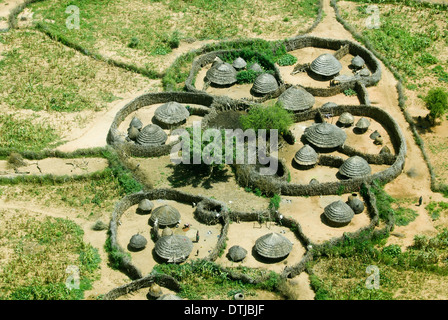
[41, 74]
[40, 252]
[435, 208]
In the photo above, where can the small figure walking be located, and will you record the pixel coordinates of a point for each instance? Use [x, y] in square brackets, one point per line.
[420, 201]
[197, 236]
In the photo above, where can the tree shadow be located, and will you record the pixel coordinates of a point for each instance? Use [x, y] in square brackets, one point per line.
[423, 124]
[197, 176]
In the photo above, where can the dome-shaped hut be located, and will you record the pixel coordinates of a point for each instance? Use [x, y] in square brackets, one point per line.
[346, 119]
[221, 74]
[174, 248]
[385, 150]
[375, 134]
[355, 167]
[256, 67]
[152, 134]
[145, 206]
[265, 83]
[338, 214]
[167, 232]
[306, 156]
[362, 125]
[171, 114]
[358, 62]
[237, 253]
[329, 105]
[273, 246]
[296, 99]
[239, 63]
[133, 133]
[325, 135]
[355, 203]
[136, 122]
[165, 216]
[326, 65]
[137, 242]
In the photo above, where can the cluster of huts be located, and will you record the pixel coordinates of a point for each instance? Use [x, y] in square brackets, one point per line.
[169, 115]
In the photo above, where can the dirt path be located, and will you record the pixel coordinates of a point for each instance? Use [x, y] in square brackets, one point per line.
[5, 9]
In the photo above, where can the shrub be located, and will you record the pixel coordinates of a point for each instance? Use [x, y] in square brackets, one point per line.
[275, 202]
[247, 76]
[270, 118]
[437, 102]
[350, 92]
[286, 60]
[392, 250]
[133, 43]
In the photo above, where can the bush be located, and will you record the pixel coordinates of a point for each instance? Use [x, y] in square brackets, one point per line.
[275, 202]
[247, 76]
[392, 250]
[270, 118]
[133, 43]
[437, 102]
[286, 60]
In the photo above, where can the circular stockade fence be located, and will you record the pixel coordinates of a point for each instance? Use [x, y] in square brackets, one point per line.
[147, 146]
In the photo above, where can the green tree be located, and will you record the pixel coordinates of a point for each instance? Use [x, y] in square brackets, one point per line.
[437, 103]
[273, 117]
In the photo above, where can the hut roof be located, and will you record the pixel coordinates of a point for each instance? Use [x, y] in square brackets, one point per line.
[237, 253]
[306, 156]
[346, 118]
[136, 122]
[363, 123]
[325, 135]
[169, 297]
[313, 182]
[222, 74]
[171, 113]
[239, 63]
[375, 134]
[338, 213]
[265, 83]
[175, 248]
[152, 134]
[355, 167]
[138, 241]
[145, 205]
[256, 67]
[296, 99]
[329, 105]
[326, 65]
[273, 245]
[217, 60]
[385, 150]
[356, 204]
[166, 215]
[133, 132]
[167, 232]
[358, 62]
[364, 72]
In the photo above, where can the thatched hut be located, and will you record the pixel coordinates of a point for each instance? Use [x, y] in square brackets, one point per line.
[338, 214]
[136, 122]
[222, 74]
[326, 65]
[355, 203]
[137, 242]
[171, 114]
[355, 167]
[296, 99]
[306, 156]
[239, 63]
[151, 135]
[237, 253]
[362, 125]
[166, 216]
[256, 67]
[325, 135]
[174, 248]
[133, 133]
[265, 83]
[273, 246]
[346, 119]
[357, 62]
[145, 206]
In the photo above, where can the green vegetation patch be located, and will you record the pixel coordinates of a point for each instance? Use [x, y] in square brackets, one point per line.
[39, 253]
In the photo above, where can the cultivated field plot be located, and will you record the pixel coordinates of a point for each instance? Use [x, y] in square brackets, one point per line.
[96, 96]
